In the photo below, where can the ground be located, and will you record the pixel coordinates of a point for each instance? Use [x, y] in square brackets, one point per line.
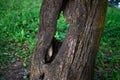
[15, 71]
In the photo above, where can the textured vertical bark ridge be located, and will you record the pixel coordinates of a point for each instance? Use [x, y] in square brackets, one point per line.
[48, 18]
[76, 57]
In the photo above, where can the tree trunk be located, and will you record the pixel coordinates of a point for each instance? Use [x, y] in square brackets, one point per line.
[75, 58]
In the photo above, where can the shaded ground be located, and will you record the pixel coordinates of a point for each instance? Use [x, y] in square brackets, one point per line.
[15, 71]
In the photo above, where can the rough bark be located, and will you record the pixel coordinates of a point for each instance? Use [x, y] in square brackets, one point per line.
[75, 58]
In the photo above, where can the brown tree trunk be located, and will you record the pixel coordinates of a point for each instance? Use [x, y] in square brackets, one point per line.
[75, 58]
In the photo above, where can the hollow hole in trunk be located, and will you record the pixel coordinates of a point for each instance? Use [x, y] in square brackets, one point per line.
[61, 30]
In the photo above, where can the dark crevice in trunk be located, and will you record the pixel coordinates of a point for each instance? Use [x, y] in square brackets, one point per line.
[42, 77]
[52, 50]
[64, 3]
[62, 8]
[91, 2]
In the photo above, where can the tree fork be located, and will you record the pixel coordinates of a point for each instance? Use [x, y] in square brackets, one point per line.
[75, 58]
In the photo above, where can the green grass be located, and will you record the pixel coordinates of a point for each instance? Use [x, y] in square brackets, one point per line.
[108, 59]
[19, 22]
[18, 28]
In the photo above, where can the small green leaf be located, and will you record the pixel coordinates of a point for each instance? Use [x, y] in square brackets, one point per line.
[22, 34]
[24, 22]
[24, 64]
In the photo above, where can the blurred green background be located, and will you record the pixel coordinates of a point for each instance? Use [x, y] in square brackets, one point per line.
[19, 22]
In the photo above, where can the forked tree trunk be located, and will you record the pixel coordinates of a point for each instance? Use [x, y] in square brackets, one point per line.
[75, 58]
